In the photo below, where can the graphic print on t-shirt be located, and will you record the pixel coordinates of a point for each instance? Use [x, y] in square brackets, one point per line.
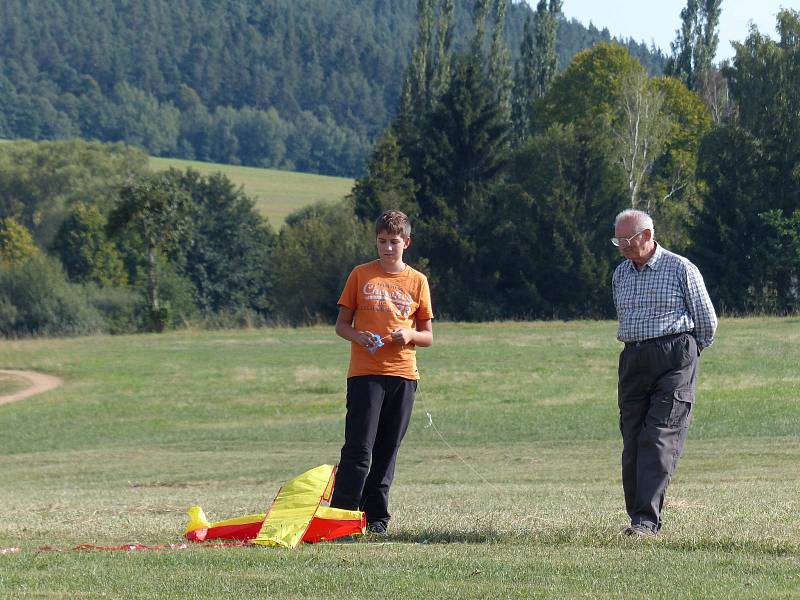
[385, 297]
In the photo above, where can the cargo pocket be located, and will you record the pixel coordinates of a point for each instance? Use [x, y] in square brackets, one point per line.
[673, 409]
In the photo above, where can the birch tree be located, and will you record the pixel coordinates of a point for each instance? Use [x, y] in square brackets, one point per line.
[640, 133]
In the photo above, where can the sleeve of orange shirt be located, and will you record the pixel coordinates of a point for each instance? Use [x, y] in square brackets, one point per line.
[349, 297]
[424, 310]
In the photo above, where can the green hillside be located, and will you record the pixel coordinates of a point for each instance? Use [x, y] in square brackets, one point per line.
[305, 85]
[277, 193]
[525, 502]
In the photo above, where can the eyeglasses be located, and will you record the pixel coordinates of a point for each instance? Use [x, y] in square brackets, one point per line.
[625, 242]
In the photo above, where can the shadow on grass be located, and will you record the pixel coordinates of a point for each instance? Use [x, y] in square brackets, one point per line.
[763, 547]
[449, 537]
[572, 536]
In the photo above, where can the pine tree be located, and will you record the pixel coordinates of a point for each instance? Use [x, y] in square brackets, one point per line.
[387, 182]
[464, 156]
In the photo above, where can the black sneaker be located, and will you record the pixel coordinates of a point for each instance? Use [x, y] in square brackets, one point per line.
[377, 528]
[639, 531]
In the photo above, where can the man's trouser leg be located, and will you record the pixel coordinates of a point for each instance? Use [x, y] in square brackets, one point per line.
[394, 419]
[365, 395]
[656, 393]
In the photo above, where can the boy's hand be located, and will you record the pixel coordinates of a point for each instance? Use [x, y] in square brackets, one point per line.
[365, 339]
[403, 336]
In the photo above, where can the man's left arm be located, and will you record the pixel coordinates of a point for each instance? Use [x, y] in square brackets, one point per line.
[700, 307]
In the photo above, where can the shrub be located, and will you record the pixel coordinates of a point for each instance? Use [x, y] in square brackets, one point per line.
[318, 247]
[37, 299]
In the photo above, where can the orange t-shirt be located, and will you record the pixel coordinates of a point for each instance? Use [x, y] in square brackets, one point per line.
[383, 302]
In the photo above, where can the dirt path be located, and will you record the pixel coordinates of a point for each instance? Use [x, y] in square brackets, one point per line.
[39, 383]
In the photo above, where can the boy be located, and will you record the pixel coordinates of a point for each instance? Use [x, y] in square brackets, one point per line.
[385, 312]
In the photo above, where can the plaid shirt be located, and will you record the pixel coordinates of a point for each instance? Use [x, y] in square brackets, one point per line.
[667, 296]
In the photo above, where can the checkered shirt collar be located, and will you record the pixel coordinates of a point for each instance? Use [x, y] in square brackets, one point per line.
[654, 260]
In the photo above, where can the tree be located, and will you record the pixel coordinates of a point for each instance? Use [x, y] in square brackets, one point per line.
[40, 182]
[672, 187]
[524, 77]
[16, 243]
[230, 258]
[156, 208]
[537, 65]
[783, 248]
[546, 64]
[37, 299]
[85, 251]
[640, 132]
[387, 182]
[465, 153]
[605, 91]
[480, 14]
[764, 82]
[317, 248]
[428, 74]
[695, 43]
[554, 259]
[588, 91]
[728, 234]
[140, 119]
[499, 68]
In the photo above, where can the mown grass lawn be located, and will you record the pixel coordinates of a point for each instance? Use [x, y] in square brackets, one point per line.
[10, 384]
[277, 193]
[525, 502]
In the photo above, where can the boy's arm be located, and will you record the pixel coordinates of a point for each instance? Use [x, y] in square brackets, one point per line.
[422, 336]
[345, 329]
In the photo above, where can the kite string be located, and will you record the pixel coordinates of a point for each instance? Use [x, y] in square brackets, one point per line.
[431, 424]
[126, 547]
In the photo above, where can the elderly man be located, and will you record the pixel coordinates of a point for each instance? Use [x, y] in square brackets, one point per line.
[665, 320]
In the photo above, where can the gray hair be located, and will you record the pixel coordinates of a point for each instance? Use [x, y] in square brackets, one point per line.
[640, 219]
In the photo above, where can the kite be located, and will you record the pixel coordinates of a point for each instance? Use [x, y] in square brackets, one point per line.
[301, 512]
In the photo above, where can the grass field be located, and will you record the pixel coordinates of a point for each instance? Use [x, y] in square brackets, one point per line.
[146, 426]
[277, 193]
[10, 384]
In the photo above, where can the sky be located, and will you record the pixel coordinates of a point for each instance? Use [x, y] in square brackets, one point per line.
[658, 20]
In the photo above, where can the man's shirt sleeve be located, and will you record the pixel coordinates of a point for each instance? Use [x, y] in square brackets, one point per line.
[699, 306]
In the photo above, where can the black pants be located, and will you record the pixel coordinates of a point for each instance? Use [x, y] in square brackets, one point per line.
[656, 393]
[378, 413]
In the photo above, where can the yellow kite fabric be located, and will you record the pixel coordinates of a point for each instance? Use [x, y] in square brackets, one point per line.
[300, 512]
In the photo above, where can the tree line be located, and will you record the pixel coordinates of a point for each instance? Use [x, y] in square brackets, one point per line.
[511, 172]
[303, 85]
[513, 176]
[92, 241]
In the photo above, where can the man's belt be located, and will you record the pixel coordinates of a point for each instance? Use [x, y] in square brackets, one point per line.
[654, 340]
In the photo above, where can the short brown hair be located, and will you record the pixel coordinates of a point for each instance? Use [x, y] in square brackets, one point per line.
[394, 222]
